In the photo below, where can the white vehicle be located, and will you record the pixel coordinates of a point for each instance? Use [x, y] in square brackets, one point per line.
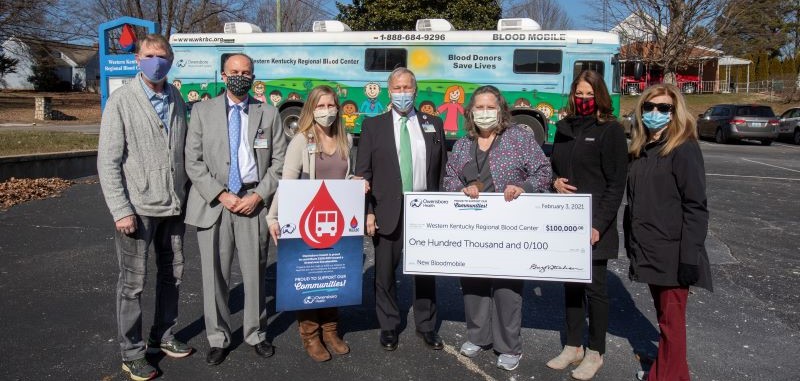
[532, 67]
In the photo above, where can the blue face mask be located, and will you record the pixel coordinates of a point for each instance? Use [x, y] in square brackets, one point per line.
[155, 69]
[402, 102]
[655, 120]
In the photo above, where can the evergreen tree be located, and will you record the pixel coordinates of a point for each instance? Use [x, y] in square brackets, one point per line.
[363, 15]
[752, 26]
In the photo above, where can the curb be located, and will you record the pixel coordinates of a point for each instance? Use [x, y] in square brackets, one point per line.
[66, 165]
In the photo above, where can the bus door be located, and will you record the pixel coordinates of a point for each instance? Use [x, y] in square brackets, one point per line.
[599, 62]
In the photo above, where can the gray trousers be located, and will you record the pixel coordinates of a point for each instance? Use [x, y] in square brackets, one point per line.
[166, 235]
[493, 312]
[247, 237]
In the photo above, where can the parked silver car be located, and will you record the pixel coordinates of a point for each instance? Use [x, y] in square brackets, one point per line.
[729, 122]
[790, 125]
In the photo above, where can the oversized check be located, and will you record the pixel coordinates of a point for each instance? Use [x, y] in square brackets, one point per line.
[537, 236]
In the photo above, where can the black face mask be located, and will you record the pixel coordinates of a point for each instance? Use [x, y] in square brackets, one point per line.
[239, 85]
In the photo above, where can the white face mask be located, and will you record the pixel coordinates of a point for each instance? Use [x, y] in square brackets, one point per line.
[325, 117]
[485, 119]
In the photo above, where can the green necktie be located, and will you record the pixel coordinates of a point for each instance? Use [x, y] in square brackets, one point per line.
[406, 164]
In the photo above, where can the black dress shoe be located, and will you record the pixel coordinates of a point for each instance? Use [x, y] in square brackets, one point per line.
[264, 349]
[216, 356]
[389, 339]
[432, 339]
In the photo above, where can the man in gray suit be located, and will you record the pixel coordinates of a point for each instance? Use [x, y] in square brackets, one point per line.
[140, 164]
[234, 158]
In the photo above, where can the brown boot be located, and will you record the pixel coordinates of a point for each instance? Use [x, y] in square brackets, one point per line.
[330, 334]
[309, 333]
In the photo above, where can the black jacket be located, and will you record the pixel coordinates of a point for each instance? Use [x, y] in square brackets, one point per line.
[666, 218]
[377, 162]
[593, 156]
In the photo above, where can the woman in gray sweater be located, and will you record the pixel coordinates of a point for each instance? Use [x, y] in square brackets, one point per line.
[319, 150]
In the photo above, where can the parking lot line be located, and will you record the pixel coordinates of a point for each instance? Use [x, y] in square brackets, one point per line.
[754, 177]
[786, 145]
[771, 165]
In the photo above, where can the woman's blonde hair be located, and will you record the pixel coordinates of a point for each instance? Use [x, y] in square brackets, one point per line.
[306, 122]
[681, 128]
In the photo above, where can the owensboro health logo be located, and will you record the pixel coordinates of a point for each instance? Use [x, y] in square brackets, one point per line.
[426, 203]
[470, 204]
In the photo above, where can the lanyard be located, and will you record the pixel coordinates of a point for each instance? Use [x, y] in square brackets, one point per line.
[478, 164]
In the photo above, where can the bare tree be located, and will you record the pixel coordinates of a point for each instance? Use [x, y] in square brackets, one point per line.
[662, 32]
[547, 13]
[172, 16]
[35, 20]
[296, 15]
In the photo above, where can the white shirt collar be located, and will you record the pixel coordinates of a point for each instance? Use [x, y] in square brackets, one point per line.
[243, 104]
[396, 115]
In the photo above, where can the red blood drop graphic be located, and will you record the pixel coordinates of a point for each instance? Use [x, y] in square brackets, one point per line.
[354, 222]
[322, 223]
[127, 38]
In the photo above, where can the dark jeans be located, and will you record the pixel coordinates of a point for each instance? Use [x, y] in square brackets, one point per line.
[166, 235]
[576, 296]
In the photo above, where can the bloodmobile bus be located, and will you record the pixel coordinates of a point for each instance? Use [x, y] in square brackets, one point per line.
[533, 68]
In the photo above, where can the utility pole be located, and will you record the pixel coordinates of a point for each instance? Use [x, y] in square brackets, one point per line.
[278, 15]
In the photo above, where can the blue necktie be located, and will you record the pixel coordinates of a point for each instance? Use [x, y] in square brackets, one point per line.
[234, 126]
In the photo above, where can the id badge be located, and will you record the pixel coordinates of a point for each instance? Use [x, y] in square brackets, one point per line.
[261, 143]
[428, 128]
[311, 147]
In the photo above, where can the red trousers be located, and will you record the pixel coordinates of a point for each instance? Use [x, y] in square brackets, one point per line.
[670, 303]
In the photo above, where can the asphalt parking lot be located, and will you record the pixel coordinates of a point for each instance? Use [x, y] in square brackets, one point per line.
[58, 272]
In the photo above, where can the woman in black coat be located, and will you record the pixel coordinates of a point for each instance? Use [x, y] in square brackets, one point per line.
[666, 220]
[590, 156]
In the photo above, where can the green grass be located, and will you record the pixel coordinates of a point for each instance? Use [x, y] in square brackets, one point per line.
[699, 103]
[30, 142]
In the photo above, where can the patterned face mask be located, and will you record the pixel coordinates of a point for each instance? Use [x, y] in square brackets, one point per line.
[585, 106]
[239, 85]
[326, 117]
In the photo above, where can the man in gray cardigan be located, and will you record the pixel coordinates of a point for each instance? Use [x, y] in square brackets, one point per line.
[140, 163]
[234, 157]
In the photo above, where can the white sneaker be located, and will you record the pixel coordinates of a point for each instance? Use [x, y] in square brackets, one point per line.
[642, 375]
[508, 361]
[471, 350]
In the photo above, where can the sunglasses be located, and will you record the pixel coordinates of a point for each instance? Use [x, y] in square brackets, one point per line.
[661, 107]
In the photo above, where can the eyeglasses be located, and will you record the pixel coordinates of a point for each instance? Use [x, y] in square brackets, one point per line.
[661, 107]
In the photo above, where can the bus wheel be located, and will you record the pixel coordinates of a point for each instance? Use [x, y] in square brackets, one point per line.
[531, 124]
[290, 117]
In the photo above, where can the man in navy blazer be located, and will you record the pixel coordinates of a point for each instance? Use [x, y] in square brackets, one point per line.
[400, 151]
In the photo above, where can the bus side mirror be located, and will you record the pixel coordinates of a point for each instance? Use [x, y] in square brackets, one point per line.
[638, 70]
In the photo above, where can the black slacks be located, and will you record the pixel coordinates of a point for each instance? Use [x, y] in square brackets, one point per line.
[388, 254]
[576, 296]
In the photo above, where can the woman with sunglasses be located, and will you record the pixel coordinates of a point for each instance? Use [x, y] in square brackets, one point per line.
[590, 156]
[666, 220]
